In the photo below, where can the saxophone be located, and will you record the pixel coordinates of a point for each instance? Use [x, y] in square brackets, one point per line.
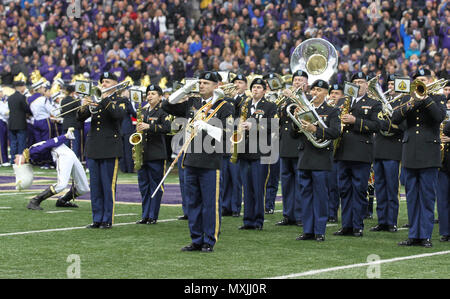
[238, 136]
[136, 141]
[345, 110]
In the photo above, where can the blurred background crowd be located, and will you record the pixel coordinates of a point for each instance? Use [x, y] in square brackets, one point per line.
[173, 39]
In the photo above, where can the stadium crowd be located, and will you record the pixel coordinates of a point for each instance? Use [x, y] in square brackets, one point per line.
[173, 39]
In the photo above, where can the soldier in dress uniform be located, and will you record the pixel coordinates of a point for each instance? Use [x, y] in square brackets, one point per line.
[103, 150]
[155, 125]
[315, 163]
[421, 159]
[232, 192]
[290, 184]
[386, 166]
[443, 186]
[336, 93]
[202, 164]
[354, 157]
[255, 173]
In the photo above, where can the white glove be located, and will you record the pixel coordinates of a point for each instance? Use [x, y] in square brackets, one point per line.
[212, 131]
[69, 134]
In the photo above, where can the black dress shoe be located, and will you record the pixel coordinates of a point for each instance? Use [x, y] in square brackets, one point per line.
[392, 228]
[184, 217]
[410, 242]
[305, 237]
[207, 248]
[299, 223]
[246, 227]
[444, 239]
[285, 221]
[319, 238]
[357, 232]
[332, 220]
[406, 225]
[426, 243]
[268, 211]
[192, 247]
[142, 221]
[259, 227]
[93, 225]
[105, 225]
[345, 231]
[379, 228]
[151, 221]
[236, 214]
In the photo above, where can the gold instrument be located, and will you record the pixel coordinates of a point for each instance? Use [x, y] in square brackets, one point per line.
[345, 110]
[136, 141]
[441, 135]
[96, 94]
[282, 97]
[238, 135]
[317, 57]
[228, 89]
[375, 92]
[420, 91]
[304, 110]
[201, 114]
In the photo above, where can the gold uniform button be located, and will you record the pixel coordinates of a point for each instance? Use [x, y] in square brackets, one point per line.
[98, 129]
[98, 123]
[417, 110]
[417, 118]
[417, 132]
[417, 125]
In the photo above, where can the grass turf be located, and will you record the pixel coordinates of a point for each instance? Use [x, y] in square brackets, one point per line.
[129, 250]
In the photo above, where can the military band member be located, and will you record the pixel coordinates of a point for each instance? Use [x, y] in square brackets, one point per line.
[232, 192]
[255, 173]
[274, 168]
[386, 166]
[17, 122]
[336, 92]
[290, 184]
[314, 164]
[201, 166]
[155, 125]
[443, 186]
[67, 165]
[354, 157]
[103, 150]
[421, 159]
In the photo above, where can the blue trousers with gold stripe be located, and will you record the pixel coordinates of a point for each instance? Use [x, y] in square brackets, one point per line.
[353, 180]
[386, 189]
[231, 186]
[149, 176]
[254, 178]
[420, 190]
[314, 195]
[290, 189]
[202, 191]
[103, 178]
[443, 203]
[272, 185]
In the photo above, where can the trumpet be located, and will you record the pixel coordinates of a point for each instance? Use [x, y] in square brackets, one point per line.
[228, 89]
[420, 91]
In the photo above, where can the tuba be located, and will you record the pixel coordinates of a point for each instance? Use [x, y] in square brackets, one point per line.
[304, 110]
[317, 57]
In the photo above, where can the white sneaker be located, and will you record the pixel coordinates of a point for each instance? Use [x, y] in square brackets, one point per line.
[7, 164]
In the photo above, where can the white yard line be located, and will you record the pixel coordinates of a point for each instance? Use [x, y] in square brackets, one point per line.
[392, 260]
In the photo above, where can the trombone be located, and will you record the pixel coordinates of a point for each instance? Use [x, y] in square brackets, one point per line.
[96, 94]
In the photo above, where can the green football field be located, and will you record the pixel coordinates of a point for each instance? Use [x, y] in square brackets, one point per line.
[54, 243]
